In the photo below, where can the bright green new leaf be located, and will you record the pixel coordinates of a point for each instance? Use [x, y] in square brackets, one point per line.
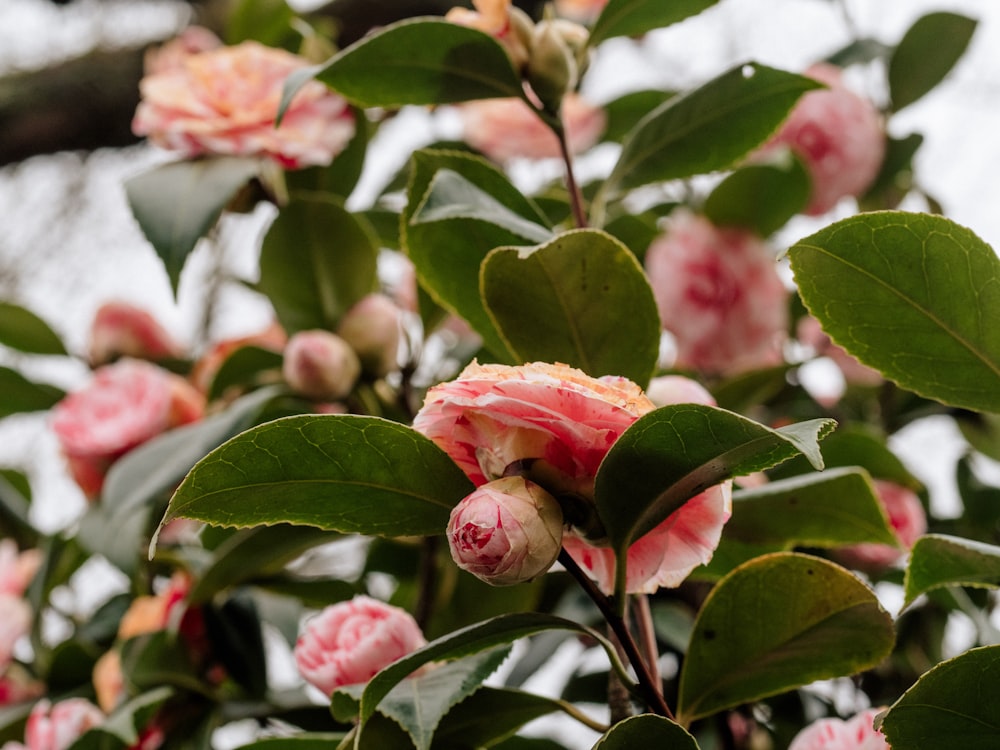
[346, 473]
[774, 624]
[937, 560]
[551, 303]
[925, 55]
[18, 394]
[646, 730]
[317, 260]
[952, 705]
[176, 204]
[912, 295]
[21, 329]
[636, 17]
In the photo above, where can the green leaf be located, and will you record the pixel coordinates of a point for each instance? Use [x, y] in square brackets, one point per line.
[776, 623]
[18, 394]
[306, 741]
[15, 521]
[341, 176]
[176, 204]
[21, 329]
[344, 473]
[266, 21]
[416, 61]
[895, 177]
[235, 640]
[625, 111]
[492, 714]
[709, 128]
[760, 197]
[316, 261]
[121, 729]
[937, 560]
[953, 702]
[551, 303]
[244, 368]
[159, 659]
[646, 730]
[673, 453]
[927, 52]
[636, 17]
[911, 295]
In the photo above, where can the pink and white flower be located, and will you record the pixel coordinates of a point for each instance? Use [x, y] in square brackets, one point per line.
[120, 329]
[56, 727]
[856, 733]
[907, 519]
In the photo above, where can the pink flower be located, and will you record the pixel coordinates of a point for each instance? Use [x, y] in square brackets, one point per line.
[56, 727]
[320, 365]
[372, 327]
[16, 686]
[907, 519]
[126, 404]
[507, 531]
[838, 134]
[350, 642]
[505, 129]
[17, 568]
[172, 54]
[224, 101]
[719, 294]
[120, 329]
[583, 11]
[15, 622]
[508, 25]
[856, 733]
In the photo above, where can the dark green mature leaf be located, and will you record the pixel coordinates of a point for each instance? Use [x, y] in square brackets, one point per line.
[622, 113]
[551, 303]
[233, 629]
[21, 329]
[266, 21]
[927, 52]
[646, 730]
[18, 394]
[636, 17]
[895, 177]
[343, 473]
[912, 295]
[156, 660]
[306, 741]
[709, 128]
[244, 368]
[341, 176]
[675, 452]
[492, 714]
[937, 560]
[316, 261]
[814, 620]
[176, 204]
[956, 701]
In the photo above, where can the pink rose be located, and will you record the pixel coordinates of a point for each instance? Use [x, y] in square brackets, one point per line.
[17, 568]
[907, 519]
[15, 622]
[719, 294]
[507, 531]
[838, 134]
[856, 733]
[508, 25]
[56, 727]
[120, 329]
[126, 404]
[373, 328]
[505, 129]
[224, 101]
[320, 365]
[350, 642]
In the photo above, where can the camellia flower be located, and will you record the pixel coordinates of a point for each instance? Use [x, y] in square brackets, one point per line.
[583, 11]
[126, 404]
[121, 329]
[17, 568]
[56, 727]
[320, 365]
[838, 135]
[225, 101]
[350, 642]
[856, 733]
[507, 531]
[719, 294]
[907, 519]
[15, 622]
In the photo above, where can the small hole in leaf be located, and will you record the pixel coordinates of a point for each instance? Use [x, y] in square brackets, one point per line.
[748, 71]
[809, 571]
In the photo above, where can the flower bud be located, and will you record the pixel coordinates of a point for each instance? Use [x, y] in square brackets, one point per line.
[372, 328]
[123, 330]
[507, 531]
[320, 365]
[56, 727]
[552, 69]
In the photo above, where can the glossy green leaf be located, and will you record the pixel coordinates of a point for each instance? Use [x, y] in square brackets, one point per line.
[492, 714]
[340, 177]
[625, 111]
[345, 473]
[937, 560]
[21, 329]
[895, 178]
[774, 624]
[244, 368]
[646, 730]
[636, 17]
[859, 51]
[18, 394]
[925, 55]
[913, 296]
[982, 431]
[709, 128]
[177, 204]
[673, 453]
[235, 640]
[551, 303]
[316, 261]
[266, 21]
[952, 705]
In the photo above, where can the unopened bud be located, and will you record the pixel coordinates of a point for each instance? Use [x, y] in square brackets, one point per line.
[372, 328]
[120, 330]
[552, 69]
[320, 365]
[507, 531]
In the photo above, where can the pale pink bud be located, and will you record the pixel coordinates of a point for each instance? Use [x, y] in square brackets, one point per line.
[372, 327]
[677, 389]
[856, 733]
[15, 621]
[907, 519]
[507, 531]
[350, 642]
[320, 365]
[124, 330]
[584, 11]
[17, 568]
[56, 727]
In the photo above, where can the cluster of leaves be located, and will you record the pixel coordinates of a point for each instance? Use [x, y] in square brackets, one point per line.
[770, 615]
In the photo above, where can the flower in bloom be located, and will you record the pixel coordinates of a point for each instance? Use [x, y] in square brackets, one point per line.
[120, 329]
[719, 294]
[907, 520]
[838, 135]
[225, 101]
[56, 727]
[172, 54]
[856, 733]
[372, 328]
[506, 531]
[126, 404]
[350, 642]
[508, 25]
[320, 365]
[505, 129]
